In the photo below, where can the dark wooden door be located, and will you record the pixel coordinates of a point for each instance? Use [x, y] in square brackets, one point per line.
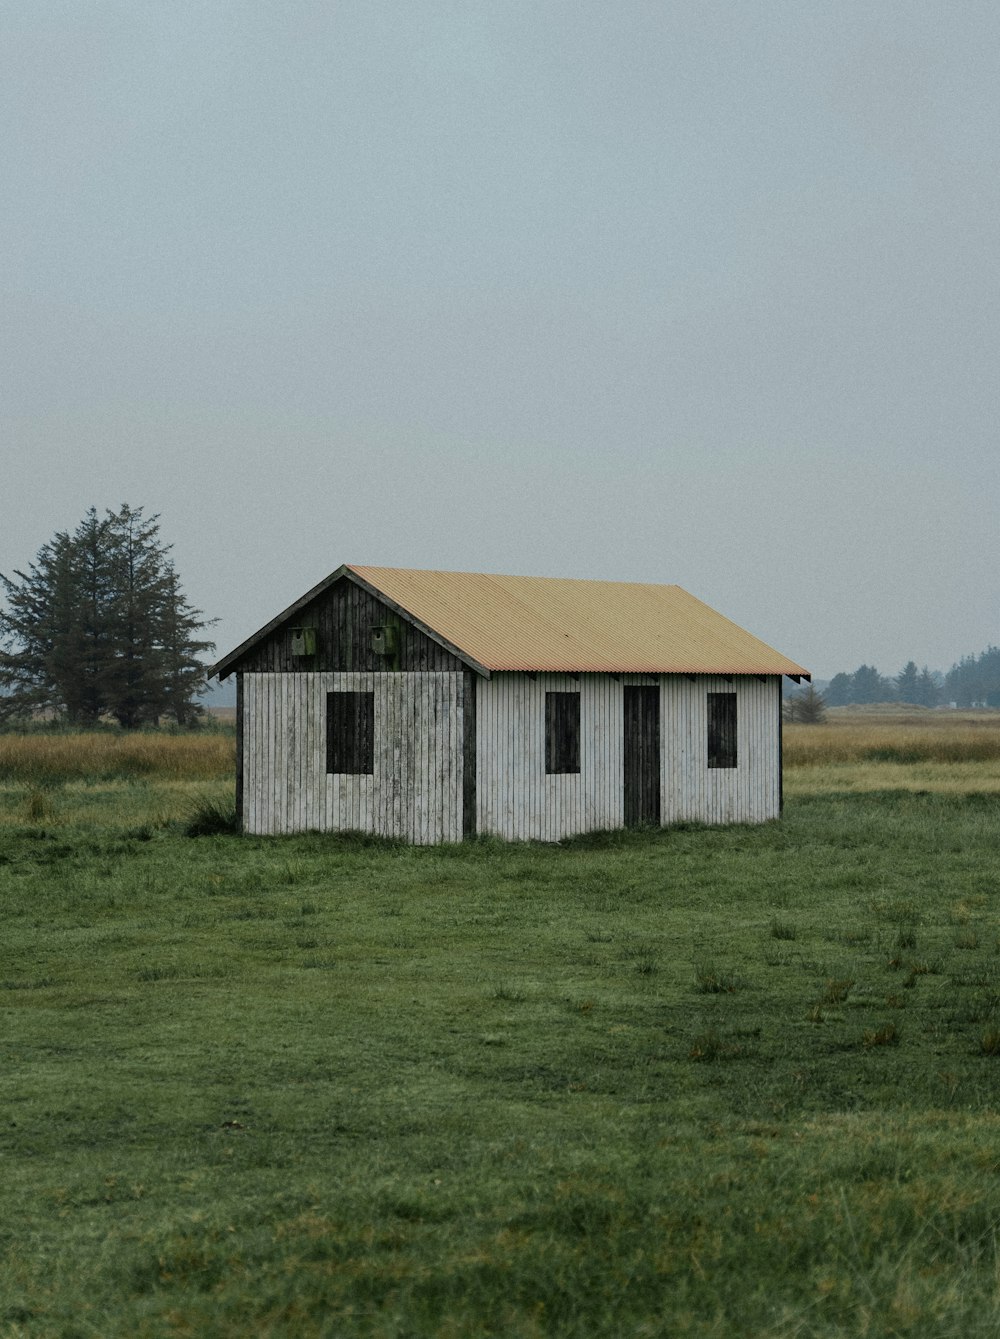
[642, 755]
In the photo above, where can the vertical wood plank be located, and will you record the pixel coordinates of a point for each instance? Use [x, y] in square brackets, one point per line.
[460, 753]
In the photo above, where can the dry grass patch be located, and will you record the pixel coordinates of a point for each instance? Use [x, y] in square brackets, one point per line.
[934, 737]
[48, 760]
[946, 752]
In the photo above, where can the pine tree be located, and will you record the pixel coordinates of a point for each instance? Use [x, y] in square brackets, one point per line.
[84, 679]
[961, 683]
[98, 626]
[928, 689]
[182, 675]
[807, 707]
[908, 684]
[977, 679]
[869, 686]
[137, 663]
[839, 690]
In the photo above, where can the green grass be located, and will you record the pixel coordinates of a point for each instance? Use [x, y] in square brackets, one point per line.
[733, 1082]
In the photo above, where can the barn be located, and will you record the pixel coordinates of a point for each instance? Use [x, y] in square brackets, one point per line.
[435, 706]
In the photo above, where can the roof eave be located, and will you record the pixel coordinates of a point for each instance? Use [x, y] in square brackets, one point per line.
[716, 671]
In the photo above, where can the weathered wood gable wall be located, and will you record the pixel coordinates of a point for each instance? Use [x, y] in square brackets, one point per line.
[422, 728]
[345, 617]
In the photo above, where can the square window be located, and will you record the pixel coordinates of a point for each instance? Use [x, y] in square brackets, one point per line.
[350, 733]
[722, 729]
[562, 733]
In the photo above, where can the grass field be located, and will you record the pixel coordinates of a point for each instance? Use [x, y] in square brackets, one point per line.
[732, 1082]
[951, 752]
[94, 779]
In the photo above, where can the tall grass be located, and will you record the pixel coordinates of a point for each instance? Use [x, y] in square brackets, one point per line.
[42, 760]
[949, 752]
[943, 738]
[945, 752]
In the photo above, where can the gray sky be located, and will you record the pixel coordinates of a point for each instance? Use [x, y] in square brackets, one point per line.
[665, 291]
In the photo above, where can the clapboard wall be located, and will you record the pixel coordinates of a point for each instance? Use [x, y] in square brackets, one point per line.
[518, 801]
[415, 790]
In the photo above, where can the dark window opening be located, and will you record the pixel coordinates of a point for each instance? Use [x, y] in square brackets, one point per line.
[562, 732]
[350, 733]
[722, 729]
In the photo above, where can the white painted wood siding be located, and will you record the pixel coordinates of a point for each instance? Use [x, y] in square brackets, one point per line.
[693, 791]
[415, 790]
[518, 801]
[515, 799]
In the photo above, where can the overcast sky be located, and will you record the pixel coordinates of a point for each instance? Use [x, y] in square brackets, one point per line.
[662, 290]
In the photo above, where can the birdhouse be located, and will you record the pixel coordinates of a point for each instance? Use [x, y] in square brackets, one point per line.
[303, 641]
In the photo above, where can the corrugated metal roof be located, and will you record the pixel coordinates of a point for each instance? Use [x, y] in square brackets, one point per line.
[569, 625]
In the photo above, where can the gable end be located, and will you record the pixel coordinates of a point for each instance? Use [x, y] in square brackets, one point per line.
[345, 613]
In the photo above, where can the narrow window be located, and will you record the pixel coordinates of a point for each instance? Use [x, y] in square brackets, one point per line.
[722, 729]
[562, 732]
[350, 732]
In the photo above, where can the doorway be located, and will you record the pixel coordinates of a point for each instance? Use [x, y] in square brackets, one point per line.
[642, 755]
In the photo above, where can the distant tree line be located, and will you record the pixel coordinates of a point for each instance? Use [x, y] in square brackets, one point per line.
[973, 682]
[98, 627]
[918, 688]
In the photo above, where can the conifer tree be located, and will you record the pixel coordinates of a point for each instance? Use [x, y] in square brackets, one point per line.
[183, 675]
[975, 680]
[869, 686]
[807, 707]
[908, 683]
[839, 690]
[98, 626]
[928, 689]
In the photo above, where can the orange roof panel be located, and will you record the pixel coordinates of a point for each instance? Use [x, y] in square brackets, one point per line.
[568, 625]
